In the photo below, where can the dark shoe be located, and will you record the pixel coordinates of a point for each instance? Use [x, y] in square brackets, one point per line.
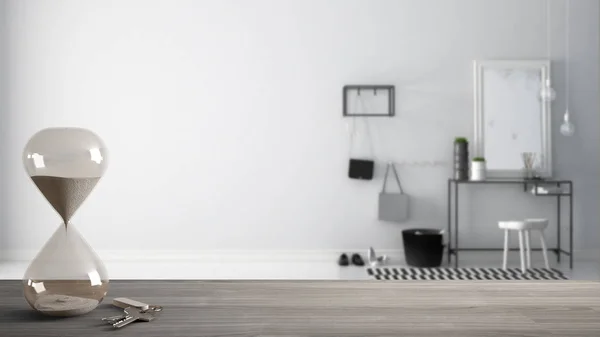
[343, 260]
[357, 260]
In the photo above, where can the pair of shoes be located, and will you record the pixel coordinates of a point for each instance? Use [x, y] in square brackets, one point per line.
[356, 260]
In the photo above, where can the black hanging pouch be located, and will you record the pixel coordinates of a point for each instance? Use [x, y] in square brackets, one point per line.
[361, 169]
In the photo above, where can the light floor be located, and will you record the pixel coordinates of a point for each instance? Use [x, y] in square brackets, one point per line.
[585, 269]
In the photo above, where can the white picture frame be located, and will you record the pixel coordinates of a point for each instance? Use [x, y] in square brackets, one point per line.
[510, 118]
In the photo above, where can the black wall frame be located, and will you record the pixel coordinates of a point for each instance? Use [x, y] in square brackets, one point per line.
[375, 88]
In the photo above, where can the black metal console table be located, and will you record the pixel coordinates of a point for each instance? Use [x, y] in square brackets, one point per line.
[556, 189]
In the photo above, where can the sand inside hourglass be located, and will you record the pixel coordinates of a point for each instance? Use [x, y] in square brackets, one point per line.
[74, 295]
[65, 194]
[65, 297]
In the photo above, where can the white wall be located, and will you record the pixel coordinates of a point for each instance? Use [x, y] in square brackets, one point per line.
[224, 117]
[3, 112]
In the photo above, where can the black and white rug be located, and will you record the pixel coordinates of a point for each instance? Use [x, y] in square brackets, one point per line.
[467, 274]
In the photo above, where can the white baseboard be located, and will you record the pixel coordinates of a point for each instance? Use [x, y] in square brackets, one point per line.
[246, 256]
[215, 256]
[267, 265]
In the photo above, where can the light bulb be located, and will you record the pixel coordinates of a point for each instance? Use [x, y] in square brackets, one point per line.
[567, 128]
[547, 93]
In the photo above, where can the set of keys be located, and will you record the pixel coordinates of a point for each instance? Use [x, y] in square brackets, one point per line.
[133, 311]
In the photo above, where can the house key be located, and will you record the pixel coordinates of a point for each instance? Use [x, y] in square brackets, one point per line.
[132, 315]
[127, 303]
[124, 302]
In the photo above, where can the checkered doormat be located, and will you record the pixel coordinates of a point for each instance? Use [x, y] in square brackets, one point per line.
[468, 274]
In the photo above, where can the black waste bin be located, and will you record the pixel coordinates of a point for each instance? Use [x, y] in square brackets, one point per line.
[423, 247]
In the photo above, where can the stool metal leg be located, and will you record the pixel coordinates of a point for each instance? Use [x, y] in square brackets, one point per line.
[505, 255]
[543, 241]
[528, 247]
[522, 251]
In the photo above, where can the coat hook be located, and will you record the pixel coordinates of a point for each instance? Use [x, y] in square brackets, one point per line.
[375, 92]
[358, 91]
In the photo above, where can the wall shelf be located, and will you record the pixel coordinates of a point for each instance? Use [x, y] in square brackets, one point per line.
[380, 100]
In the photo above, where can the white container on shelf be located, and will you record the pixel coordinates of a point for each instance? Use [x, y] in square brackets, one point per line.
[478, 170]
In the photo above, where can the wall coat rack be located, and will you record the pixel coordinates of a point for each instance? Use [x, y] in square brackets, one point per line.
[368, 100]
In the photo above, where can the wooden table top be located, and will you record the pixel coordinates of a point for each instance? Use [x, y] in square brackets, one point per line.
[328, 308]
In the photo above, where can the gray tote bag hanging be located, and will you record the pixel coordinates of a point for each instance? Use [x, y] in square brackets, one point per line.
[393, 207]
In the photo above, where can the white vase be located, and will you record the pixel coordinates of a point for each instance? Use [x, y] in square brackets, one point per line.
[478, 170]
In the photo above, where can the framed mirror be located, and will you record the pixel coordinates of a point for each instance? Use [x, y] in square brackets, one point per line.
[510, 117]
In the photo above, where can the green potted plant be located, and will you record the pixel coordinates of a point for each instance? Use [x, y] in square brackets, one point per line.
[478, 169]
[461, 158]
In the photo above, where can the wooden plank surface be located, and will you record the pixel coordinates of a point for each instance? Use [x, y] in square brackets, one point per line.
[329, 308]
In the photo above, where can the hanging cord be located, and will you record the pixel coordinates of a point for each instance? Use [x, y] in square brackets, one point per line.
[385, 178]
[351, 131]
[368, 130]
[548, 30]
[366, 125]
[567, 53]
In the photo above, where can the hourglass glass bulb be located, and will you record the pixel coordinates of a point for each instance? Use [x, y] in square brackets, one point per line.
[66, 278]
[567, 128]
[547, 93]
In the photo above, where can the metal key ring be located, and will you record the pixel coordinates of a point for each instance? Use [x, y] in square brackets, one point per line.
[155, 308]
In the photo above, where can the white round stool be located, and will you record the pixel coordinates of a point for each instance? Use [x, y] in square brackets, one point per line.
[524, 228]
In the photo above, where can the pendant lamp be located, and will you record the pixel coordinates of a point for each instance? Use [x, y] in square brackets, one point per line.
[547, 93]
[567, 128]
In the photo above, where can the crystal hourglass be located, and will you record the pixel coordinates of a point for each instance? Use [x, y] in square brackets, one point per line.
[66, 278]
